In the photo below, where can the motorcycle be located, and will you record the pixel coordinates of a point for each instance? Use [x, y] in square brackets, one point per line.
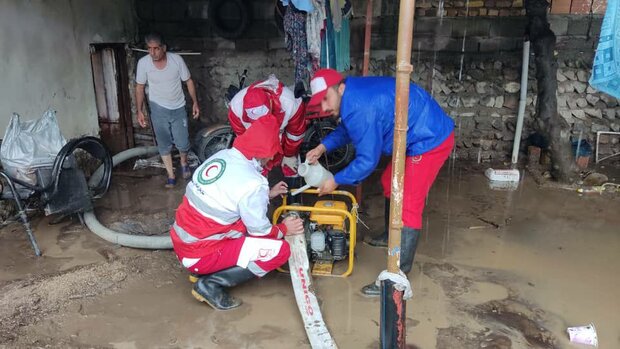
[212, 139]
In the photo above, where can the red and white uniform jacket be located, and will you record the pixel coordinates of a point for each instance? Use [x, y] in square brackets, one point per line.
[226, 199]
[280, 102]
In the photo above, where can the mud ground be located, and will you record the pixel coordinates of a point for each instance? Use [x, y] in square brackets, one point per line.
[494, 269]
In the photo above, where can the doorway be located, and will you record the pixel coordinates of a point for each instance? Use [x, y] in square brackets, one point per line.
[111, 82]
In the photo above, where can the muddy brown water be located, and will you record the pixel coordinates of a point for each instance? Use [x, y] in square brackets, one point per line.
[495, 269]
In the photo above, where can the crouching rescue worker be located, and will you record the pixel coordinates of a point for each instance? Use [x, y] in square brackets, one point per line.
[221, 231]
[366, 108]
[271, 97]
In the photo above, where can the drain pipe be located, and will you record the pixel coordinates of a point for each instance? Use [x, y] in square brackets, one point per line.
[135, 241]
[522, 101]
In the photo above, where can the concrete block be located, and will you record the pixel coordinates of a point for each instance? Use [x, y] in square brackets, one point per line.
[263, 10]
[433, 25]
[578, 25]
[508, 27]
[559, 25]
[169, 10]
[497, 44]
[276, 43]
[595, 28]
[478, 27]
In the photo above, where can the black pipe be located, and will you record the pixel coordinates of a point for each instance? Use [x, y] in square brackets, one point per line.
[393, 316]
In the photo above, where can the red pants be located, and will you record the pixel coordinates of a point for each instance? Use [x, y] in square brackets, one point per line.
[420, 173]
[259, 255]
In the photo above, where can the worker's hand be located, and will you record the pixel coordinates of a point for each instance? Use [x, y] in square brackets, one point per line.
[278, 189]
[294, 225]
[328, 186]
[313, 155]
[195, 111]
[141, 118]
[289, 166]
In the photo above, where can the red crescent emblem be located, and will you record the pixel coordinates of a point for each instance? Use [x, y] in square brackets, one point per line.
[209, 169]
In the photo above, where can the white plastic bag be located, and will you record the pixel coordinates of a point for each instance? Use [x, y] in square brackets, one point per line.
[32, 144]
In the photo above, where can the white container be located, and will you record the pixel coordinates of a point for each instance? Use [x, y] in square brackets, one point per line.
[511, 175]
[583, 335]
[314, 175]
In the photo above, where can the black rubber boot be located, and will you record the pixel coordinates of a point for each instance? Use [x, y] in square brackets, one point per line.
[382, 239]
[409, 243]
[211, 288]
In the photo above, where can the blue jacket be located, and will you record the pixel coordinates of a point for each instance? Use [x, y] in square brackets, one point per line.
[367, 121]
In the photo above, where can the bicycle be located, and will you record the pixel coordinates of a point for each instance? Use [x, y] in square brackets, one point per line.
[210, 140]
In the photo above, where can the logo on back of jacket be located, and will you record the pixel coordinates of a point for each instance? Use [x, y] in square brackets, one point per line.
[211, 171]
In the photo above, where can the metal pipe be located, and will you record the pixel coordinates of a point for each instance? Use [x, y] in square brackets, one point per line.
[403, 73]
[522, 101]
[367, 38]
[393, 311]
[22, 214]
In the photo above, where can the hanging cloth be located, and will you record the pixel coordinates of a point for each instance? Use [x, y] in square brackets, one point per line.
[315, 23]
[342, 44]
[336, 13]
[606, 70]
[296, 41]
[328, 47]
[302, 5]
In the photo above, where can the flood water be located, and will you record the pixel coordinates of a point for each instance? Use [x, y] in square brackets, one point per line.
[494, 269]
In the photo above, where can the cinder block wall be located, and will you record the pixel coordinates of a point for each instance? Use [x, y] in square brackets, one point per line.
[470, 62]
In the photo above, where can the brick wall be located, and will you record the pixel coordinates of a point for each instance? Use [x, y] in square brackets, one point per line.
[578, 7]
[493, 8]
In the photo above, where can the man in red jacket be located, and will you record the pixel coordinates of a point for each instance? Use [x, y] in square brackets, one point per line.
[221, 230]
[271, 97]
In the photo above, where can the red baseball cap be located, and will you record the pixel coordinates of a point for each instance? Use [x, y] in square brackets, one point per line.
[321, 81]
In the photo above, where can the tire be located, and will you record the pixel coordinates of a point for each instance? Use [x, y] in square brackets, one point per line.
[210, 140]
[334, 161]
[220, 13]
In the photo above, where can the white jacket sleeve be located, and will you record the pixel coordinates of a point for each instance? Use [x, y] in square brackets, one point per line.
[253, 212]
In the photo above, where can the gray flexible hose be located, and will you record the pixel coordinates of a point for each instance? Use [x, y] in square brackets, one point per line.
[135, 241]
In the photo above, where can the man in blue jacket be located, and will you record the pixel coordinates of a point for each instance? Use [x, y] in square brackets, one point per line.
[365, 106]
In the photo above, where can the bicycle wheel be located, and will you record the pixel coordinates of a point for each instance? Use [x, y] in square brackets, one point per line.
[334, 161]
[210, 140]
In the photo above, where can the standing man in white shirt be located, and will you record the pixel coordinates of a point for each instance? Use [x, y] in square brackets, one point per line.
[164, 71]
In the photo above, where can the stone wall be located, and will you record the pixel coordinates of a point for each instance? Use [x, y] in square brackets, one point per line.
[476, 64]
[587, 110]
[483, 99]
